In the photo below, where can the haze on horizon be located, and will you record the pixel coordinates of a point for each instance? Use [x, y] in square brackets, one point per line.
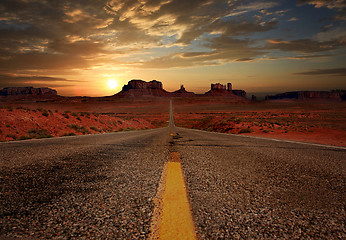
[94, 47]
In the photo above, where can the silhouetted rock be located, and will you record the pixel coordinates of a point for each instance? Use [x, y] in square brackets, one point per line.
[182, 93]
[219, 89]
[301, 95]
[239, 93]
[28, 91]
[139, 88]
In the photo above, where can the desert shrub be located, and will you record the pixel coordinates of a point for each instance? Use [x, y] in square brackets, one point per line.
[245, 130]
[39, 133]
[66, 115]
[78, 118]
[74, 114]
[19, 107]
[56, 111]
[78, 128]
[265, 131]
[94, 128]
[130, 129]
[0, 131]
[25, 137]
[9, 108]
[11, 136]
[85, 114]
[69, 134]
[7, 125]
[67, 112]
[45, 113]
[51, 113]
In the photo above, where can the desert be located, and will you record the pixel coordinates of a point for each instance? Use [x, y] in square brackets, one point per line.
[144, 105]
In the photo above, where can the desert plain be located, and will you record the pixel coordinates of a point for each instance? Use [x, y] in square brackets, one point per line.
[317, 121]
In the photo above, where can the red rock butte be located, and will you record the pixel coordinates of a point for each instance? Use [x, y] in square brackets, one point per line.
[140, 88]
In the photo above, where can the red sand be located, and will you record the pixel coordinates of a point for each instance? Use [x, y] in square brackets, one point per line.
[323, 123]
[25, 123]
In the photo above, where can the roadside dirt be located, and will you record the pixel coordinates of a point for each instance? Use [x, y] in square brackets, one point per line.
[314, 122]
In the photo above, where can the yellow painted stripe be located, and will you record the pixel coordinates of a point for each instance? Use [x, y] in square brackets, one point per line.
[175, 220]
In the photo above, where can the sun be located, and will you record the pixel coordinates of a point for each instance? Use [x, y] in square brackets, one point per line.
[112, 84]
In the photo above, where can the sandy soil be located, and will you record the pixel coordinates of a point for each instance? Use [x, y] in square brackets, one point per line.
[26, 120]
[316, 122]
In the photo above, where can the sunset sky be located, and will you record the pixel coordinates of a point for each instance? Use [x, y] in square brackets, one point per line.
[94, 47]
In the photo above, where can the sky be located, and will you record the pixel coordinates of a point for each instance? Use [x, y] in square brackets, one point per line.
[94, 47]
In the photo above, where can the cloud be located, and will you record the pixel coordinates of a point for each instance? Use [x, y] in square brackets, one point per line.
[223, 49]
[330, 71]
[8, 80]
[324, 3]
[303, 45]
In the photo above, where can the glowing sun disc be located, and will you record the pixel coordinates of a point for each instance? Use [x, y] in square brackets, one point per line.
[112, 84]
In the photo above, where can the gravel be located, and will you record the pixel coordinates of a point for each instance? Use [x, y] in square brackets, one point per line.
[105, 192]
[246, 188]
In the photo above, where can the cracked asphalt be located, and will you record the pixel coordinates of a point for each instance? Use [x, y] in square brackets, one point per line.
[102, 186]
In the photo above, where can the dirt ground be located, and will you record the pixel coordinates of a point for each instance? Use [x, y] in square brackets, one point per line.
[314, 121]
[27, 119]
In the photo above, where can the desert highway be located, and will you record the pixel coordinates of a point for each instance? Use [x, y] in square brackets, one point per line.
[104, 186]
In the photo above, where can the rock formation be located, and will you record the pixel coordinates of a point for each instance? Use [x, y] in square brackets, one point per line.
[182, 93]
[28, 91]
[301, 95]
[218, 89]
[140, 88]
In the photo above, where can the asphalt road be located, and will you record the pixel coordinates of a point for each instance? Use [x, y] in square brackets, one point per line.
[102, 186]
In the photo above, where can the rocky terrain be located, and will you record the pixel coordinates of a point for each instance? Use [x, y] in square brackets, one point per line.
[28, 91]
[301, 95]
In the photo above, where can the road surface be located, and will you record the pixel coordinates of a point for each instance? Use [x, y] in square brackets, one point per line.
[102, 186]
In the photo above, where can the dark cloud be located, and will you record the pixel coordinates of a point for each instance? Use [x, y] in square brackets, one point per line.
[78, 34]
[223, 49]
[304, 45]
[330, 71]
[325, 3]
[8, 80]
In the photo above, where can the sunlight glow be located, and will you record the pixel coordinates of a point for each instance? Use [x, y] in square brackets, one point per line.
[112, 84]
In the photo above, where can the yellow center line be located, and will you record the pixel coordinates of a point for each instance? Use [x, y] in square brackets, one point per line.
[175, 219]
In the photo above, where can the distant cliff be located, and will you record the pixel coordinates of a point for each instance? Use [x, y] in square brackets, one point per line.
[138, 88]
[219, 89]
[301, 95]
[27, 91]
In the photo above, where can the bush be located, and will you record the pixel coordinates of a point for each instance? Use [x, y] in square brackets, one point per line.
[45, 113]
[78, 128]
[69, 134]
[245, 130]
[66, 115]
[94, 128]
[39, 133]
[11, 136]
[265, 131]
[24, 137]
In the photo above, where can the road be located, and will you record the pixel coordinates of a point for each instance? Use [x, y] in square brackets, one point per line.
[102, 186]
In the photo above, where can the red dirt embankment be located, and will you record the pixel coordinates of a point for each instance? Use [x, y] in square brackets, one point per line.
[18, 123]
[306, 122]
